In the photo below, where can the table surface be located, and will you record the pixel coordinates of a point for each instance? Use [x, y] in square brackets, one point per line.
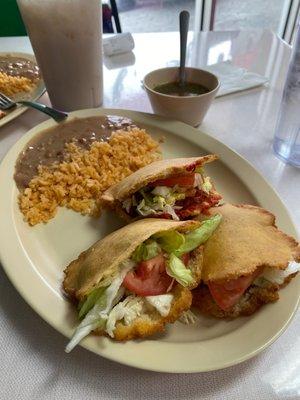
[33, 365]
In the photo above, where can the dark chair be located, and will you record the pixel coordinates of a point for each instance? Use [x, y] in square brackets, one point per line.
[108, 13]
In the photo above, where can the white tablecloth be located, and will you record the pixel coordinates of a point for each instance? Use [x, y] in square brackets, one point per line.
[33, 363]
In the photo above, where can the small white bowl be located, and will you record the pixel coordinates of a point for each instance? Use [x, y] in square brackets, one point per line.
[188, 109]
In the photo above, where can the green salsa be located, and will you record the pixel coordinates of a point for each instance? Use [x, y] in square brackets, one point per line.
[175, 89]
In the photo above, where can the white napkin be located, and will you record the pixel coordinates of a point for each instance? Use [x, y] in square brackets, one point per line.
[235, 79]
[118, 44]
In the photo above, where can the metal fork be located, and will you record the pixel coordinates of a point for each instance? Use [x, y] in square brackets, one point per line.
[6, 104]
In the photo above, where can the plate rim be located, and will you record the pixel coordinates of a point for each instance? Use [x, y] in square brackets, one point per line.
[156, 121]
[41, 88]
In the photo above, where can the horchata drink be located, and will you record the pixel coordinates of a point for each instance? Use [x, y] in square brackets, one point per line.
[66, 36]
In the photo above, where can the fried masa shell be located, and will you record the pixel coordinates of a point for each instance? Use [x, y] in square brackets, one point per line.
[162, 169]
[104, 258]
[246, 239]
[152, 322]
[254, 298]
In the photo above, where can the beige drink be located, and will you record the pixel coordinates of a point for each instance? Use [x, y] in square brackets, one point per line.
[66, 36]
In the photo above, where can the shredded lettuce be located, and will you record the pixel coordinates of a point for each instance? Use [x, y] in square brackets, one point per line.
[188, 318]
[177, 270]
[206, 185]
[147, 196]
[127, 310]
[145, 251]
[169, 240]
[91, 300]
[143, 209]
[97, 316]
[199, 236]
[201, 181]
[169, 194]
[171, 210]
[163, 191]
[133, 307]
[91, 321]
[160, 200]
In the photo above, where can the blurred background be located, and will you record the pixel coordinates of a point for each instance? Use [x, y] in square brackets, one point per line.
[162, 16]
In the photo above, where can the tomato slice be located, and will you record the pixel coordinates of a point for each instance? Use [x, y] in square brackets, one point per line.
[181, 180]
[149, 278]
[227, 294]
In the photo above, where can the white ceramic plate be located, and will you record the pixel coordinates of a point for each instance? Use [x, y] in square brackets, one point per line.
[32, 96]
[34, 259]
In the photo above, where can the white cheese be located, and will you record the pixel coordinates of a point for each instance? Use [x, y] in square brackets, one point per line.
[162, 303]
[279, 275]
[128, 310]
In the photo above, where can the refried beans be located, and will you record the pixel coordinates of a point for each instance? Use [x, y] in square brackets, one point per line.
[49, 146]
